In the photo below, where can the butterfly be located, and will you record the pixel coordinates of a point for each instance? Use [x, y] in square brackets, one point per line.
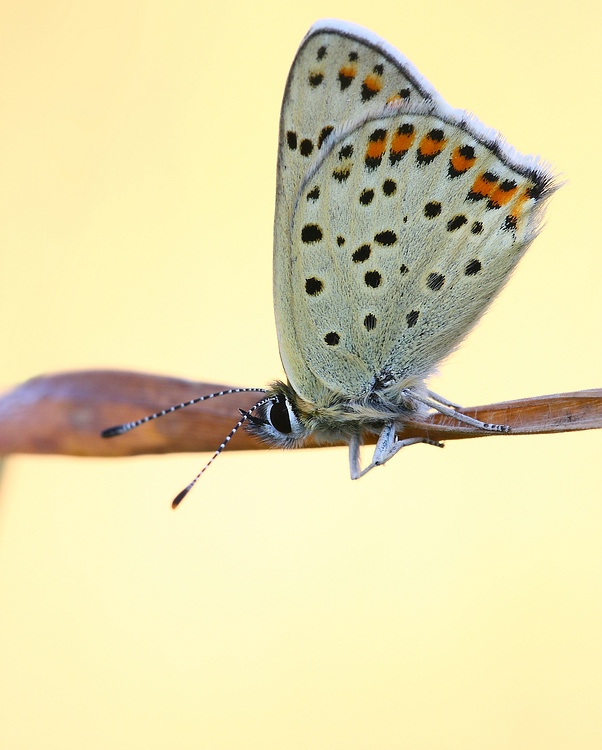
[398, 220]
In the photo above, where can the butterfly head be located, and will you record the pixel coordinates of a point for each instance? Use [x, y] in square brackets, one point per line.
[278, 420]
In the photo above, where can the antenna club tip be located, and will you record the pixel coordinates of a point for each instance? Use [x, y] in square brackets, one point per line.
[112, 431]
[178, 498]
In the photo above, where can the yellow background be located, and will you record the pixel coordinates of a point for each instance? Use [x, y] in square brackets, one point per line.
[452, 600]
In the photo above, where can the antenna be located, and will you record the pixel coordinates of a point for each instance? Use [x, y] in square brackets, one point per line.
[245, 415]
[120, 429]
[127, 426]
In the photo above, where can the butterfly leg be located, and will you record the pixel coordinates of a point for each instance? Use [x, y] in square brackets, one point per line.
[441, 405]
[387, 446]
[442, 400]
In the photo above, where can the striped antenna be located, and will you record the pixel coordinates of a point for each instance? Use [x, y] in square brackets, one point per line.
[245, 415]
[121, 428]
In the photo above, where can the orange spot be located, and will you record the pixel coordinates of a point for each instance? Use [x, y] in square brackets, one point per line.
[500, 197]
[483, 186]
[394, 98]
[430, 147]
[373, 82]
[402, 142]
[461, 163]
[520, 203]
[348, 71]
[376, 149]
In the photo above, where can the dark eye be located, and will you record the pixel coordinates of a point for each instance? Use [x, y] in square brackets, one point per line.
[279, 416]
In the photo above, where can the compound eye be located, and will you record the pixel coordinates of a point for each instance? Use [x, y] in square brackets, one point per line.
[279, 416]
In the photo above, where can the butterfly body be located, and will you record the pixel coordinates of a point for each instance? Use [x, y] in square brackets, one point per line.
[398, 221]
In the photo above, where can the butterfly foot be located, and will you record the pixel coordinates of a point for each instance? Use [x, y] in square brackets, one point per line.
[436, 443]
[387, 446]
[504, 428]
[471, 422]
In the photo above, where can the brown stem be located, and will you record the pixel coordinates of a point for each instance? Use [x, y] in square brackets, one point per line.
[65, 414]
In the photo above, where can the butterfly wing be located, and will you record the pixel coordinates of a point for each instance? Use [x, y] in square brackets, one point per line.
[339, 70]
[398, 219]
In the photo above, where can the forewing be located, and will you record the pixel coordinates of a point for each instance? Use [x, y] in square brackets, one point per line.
[340, 72]
[405, 224]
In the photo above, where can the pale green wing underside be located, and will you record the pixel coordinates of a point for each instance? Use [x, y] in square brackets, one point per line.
[392, 265]
[393, 232]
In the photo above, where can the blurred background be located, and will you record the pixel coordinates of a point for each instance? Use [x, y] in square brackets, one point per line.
[450, 600]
